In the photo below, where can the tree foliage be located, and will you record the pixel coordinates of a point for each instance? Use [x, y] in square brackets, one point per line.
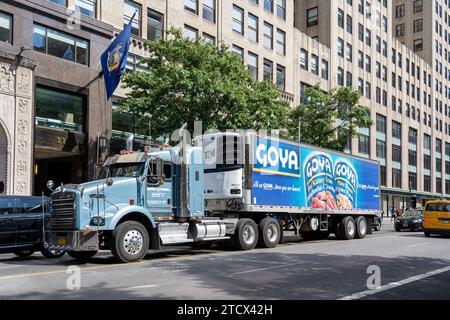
[190, 80]
[331, 119]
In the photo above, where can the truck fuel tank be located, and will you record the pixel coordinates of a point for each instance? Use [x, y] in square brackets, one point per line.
[208, 230]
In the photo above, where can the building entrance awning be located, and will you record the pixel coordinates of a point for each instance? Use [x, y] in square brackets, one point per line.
[413, 194]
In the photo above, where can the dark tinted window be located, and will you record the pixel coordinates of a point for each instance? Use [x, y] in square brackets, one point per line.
[438, 207]
[7, 206]
[30, 205]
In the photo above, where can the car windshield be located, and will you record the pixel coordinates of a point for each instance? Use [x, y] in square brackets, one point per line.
[129, 170]
[413, 213]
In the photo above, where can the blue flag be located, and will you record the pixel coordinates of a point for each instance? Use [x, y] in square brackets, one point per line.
[114, 59]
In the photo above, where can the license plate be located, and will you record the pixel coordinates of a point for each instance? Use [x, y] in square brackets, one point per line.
[61, 241]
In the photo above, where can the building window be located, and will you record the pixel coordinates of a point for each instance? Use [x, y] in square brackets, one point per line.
[438, 185]
[155, 25]
[418, 45]
[281, 9]
[209, 39]
[315, 64]
[281, 78]
[312, 17]
[239, 52]
[130, 8]
[381, 149]
[364, 144]
[281, 42]
[400, 11]
[418, 25]
[324, 69]
[427, 183]
[5, 27]
[340, 76]
[383, 176]
[412, 158]
[191, 5]
[303, 59]
[190, 33]
[412, 180]
[418, 6]
[238, 20]
[400, 30]
[396, 178]
[268, 36]
[253, 28]
[61, 45]
[87, 7]
[396, 130]
[340, 47]
[209, 10]
[60, 109]
[349, 24]
[268, 70]
[268, 5]
[252, 62]
[341, 18]
[60, 2]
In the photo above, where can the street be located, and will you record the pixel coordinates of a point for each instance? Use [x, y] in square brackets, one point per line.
[411, 267]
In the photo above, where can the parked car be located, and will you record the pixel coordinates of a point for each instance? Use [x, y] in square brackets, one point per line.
[21, 226]
[410, 220]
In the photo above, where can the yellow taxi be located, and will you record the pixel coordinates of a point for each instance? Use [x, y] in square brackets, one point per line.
[436, 218]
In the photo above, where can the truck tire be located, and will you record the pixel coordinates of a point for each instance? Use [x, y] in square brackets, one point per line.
[269, 233]
[52, 254]
[130, 242]
[82, 255]
[347, 228]
[337, 229]
[246, 235]
[361, 227]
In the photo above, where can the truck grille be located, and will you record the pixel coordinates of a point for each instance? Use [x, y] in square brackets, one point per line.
[63, 211]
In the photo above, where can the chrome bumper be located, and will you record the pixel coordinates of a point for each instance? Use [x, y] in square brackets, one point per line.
[72, 240]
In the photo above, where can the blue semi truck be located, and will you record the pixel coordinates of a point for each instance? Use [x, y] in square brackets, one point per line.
[245, 188]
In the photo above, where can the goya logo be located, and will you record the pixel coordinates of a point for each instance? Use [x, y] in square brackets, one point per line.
[346, 171]
[278, 158]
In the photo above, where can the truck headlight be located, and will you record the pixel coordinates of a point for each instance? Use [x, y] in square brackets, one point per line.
[98, 221]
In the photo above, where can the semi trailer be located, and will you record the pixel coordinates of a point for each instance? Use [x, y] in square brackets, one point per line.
[244, 188]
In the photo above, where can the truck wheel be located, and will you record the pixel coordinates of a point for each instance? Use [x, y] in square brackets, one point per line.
[337, 230]
[52, 254]
[348, 228]
[81, 255]
[361, 227]
[269, 233]
[129, 242]
[23, 253]
[246, 235]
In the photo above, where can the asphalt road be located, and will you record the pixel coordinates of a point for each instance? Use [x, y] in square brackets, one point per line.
[409, 266]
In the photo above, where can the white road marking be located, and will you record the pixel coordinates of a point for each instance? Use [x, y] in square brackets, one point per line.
[143, 287]
[393, 285]
[417, 245]
[263, 269]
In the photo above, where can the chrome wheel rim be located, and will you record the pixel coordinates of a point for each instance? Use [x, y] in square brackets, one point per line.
[272, 233]
[351, 228]
[362, 227]
[133, 242]
[248, 235]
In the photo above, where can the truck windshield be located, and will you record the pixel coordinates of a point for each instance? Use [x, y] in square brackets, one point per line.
[126, 170]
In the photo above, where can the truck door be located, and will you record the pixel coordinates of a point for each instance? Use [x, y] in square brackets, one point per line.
[159, 187]
[8, 227]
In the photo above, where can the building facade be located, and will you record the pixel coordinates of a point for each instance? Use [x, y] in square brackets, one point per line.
[403, 72]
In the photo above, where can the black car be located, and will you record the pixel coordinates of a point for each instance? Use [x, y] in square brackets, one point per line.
[21, 226]
[410, 220]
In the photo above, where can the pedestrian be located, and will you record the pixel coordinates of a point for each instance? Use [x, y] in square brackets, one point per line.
[382, 214]
[393, 214]
[2, 187]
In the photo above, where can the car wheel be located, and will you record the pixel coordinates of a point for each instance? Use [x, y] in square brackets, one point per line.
[82, 255]
[24, 253]
[377, 227]
[246, 235]
[398, 229]
[269, 233]
[427, 234]
[130, 242]
[52, 254]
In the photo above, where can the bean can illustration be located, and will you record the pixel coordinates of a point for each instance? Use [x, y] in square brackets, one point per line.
[345, 184]
[319, 182]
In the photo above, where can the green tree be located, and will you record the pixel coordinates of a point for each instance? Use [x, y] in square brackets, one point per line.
[190, 80]
[331, 119]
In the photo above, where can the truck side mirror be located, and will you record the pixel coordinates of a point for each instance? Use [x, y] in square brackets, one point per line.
[50, 185]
